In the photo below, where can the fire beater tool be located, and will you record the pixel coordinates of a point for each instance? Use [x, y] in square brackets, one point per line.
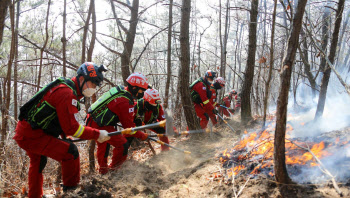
[168, 145]
[226, 122]
[167, 123]
[132, 130]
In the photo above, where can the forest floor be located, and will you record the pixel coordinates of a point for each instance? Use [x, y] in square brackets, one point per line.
[174, 174]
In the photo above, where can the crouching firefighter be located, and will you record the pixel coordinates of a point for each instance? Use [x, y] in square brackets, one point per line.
[148, 110]
[116, 105]
[51, 113]
[200, 95]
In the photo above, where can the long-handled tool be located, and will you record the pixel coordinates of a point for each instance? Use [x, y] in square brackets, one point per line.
[226, 122]
[133, 130]
[168, 145]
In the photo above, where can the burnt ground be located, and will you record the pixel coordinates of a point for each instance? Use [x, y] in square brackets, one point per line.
[174, 174]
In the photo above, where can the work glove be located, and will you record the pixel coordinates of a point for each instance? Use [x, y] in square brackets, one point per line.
[103, 136]
[144, 136]
[215, 111]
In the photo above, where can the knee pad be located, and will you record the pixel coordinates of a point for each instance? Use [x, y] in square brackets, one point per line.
[43, 161]
[73, 149]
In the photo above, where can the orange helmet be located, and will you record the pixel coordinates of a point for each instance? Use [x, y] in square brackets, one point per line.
[152, 96]
[137, 80]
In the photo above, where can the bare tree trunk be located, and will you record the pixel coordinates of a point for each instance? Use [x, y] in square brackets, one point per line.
[331, 56]
[223, 42]
[92, 143]
[130, 38]
[15, 74]
[307, 66]
[246, 113]
[168, 78]
[280, 169]
[191, 119]
[7, 85]
[64, 39]
[93, 34]
[269, 77]
[45, 43]
[4, 4]
[86, 29]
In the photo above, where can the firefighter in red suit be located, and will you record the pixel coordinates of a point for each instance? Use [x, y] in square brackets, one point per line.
[51, 113]
[200, 95]
[148, 110]
[226, 101]
[218, 84]
[117, 105]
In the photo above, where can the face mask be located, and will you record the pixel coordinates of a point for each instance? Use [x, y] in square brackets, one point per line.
[88, 92]
[140, 95]
[217, 85]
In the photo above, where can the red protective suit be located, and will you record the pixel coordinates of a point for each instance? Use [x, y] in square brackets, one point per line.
[227, 103]
[204, 110]
[40, 145]
[148, 118]
[125, 112]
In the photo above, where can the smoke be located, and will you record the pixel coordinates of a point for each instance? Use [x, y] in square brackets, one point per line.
[336, 113]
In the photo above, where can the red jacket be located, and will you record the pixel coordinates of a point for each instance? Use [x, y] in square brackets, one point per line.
[161, 116]
[62, 98]
[213, 99]
[201, 89]
[125, 112]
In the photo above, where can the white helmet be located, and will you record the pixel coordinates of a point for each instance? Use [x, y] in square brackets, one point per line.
[152, 96]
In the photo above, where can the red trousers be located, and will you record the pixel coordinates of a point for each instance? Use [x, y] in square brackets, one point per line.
[204, 116]
[39, 146]
[224, 110]
[120, 153]
[120, 150]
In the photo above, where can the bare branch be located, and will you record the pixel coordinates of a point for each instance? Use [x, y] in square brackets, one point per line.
[124, 4]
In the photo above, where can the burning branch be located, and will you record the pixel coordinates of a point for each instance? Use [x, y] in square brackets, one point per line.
[322, 167]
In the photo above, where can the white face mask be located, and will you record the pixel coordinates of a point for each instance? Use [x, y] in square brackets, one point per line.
[88, 92]
[210, 81]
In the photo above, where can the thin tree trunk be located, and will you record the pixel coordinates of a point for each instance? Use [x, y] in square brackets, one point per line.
[86, 29]
[280, 169]
[331, 57]
[45, 43]
[168, 79]
[191, 119]
[269, 77]
[4, 4]
[64, 39]
[129, 43]
[15, 74]
[7, 84]
[246, 113]
[92, 143]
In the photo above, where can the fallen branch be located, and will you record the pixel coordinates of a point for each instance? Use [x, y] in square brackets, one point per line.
[322, 167]
[243, 187]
